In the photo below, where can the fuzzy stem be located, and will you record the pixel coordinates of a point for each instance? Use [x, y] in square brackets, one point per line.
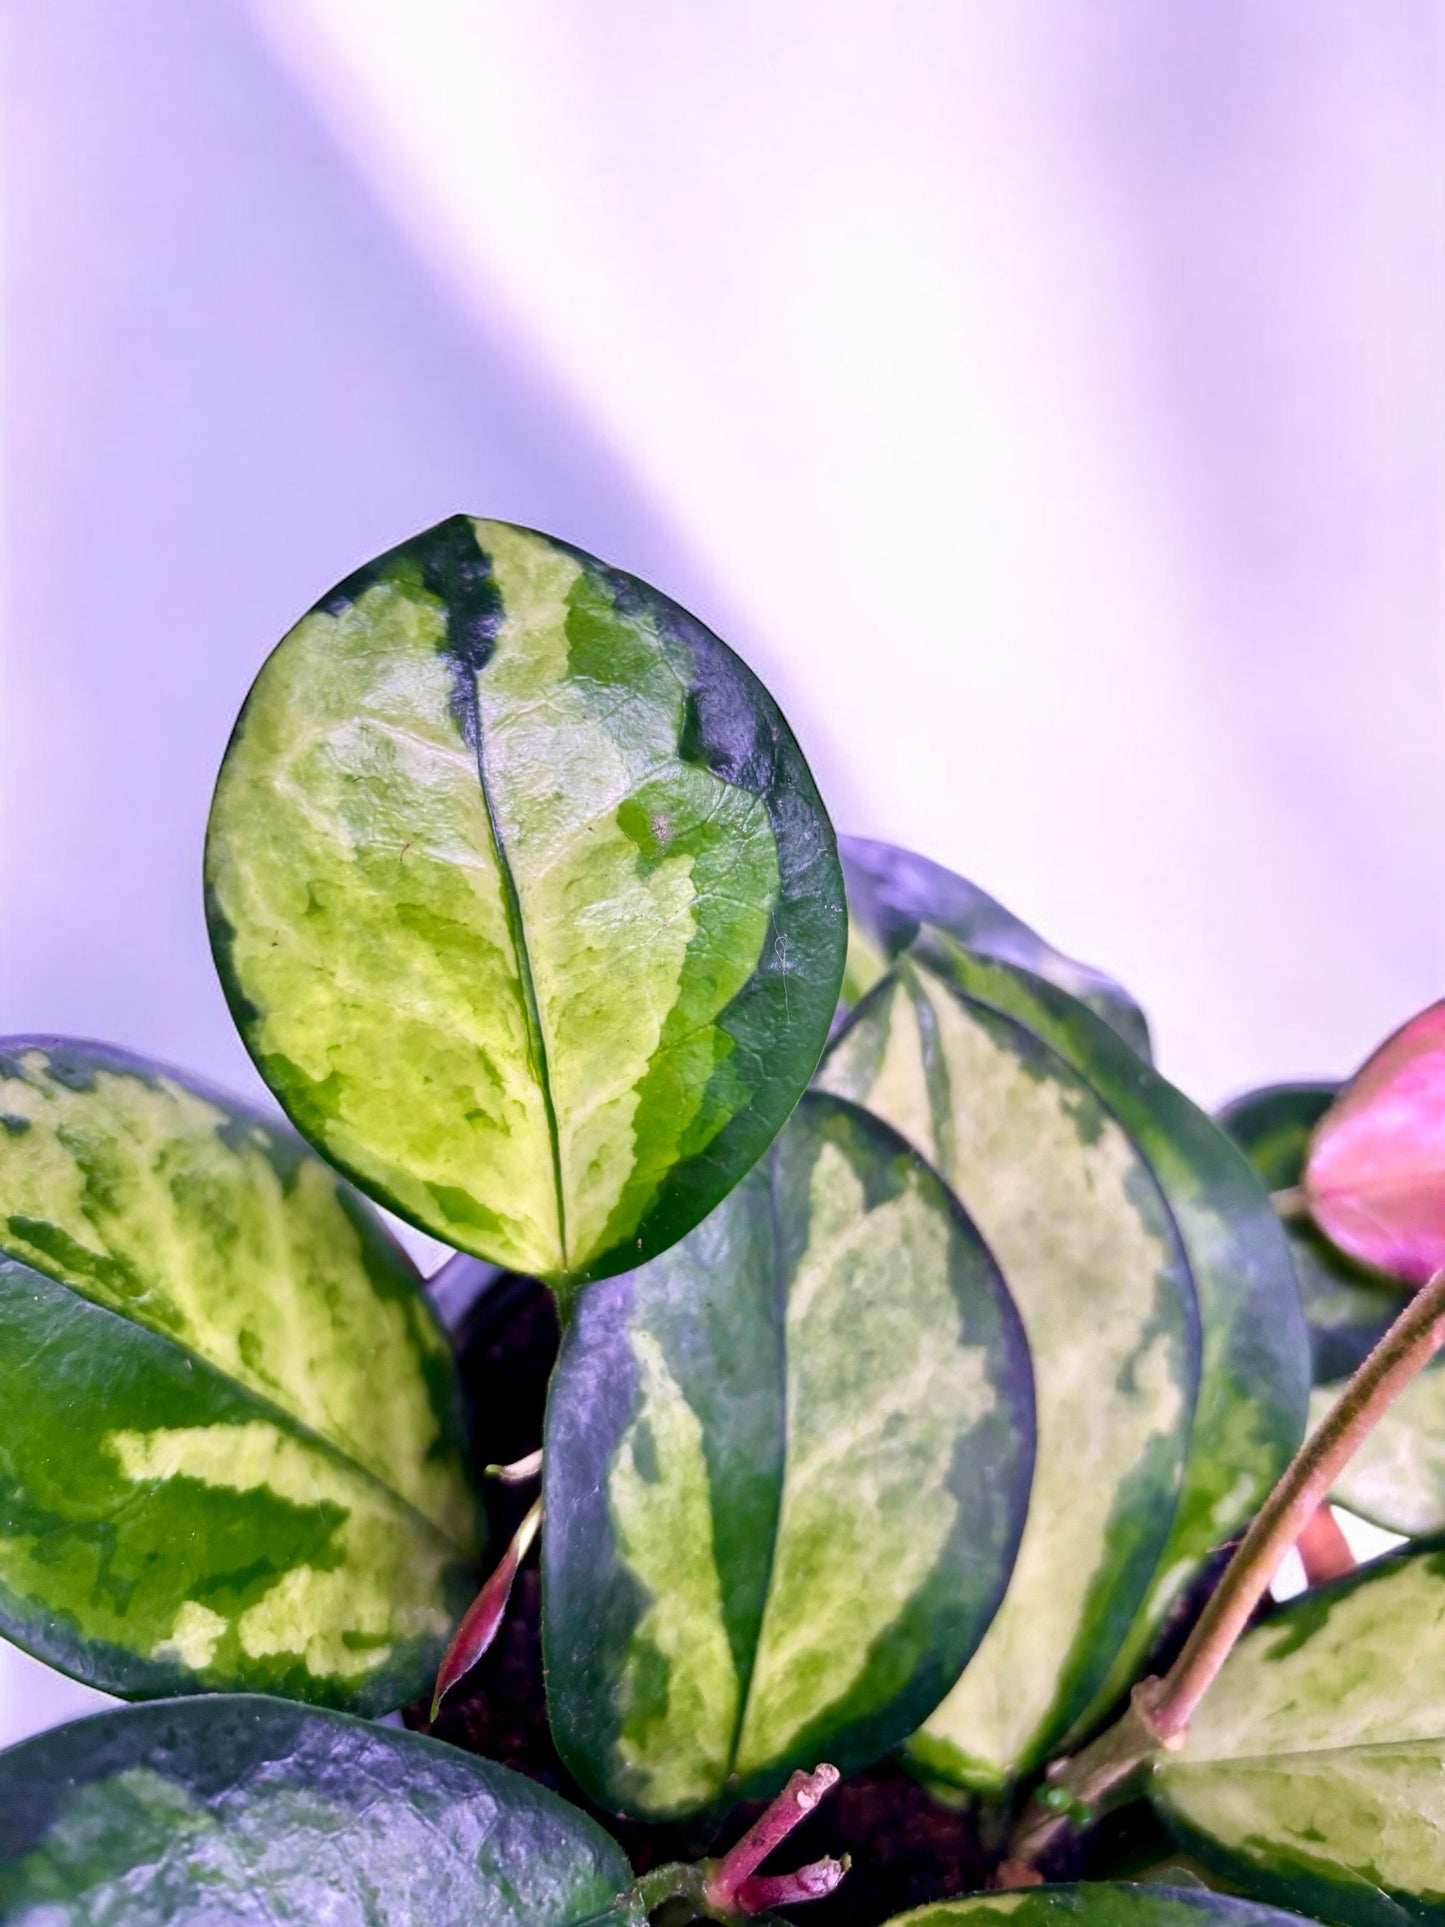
[1160, 1710]
[675, 1881]
[1404, 1351]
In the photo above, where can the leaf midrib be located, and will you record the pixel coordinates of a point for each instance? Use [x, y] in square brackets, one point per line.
[266, 1407]
[516, 930]
[1174, 1767]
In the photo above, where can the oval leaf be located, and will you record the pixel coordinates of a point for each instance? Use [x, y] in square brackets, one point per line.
[893, 894]
[1072, 1213]
[1099, 1904]
[1249, 1416]
[524, 900]
[204, 1812]
[230, 1448]
[785, 1471]
[1375, 1173]
[1314, 1772]
[1347, 1307]
[1396, 1479]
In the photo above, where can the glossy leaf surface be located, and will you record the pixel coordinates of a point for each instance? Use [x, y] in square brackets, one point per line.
[1072, 1213]
[1314, 1771]
[230, 1450]
[1397, 1477]
[1249, 1415]
[229, 1812]
[1098, 1904]
[893, 894]
[524, 899]
[1375, 1172]
[786, 1466]
[1348, 1308]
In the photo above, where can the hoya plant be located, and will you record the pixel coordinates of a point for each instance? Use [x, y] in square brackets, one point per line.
[866, 1396]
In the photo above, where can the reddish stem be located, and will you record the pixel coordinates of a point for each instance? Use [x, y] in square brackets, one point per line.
[1159, 1710]
[483, 1617]
[1323, 1549]
[763, 1891]
[733, 1883]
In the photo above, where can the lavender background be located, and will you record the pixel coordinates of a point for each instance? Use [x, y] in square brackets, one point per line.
[1047, 400]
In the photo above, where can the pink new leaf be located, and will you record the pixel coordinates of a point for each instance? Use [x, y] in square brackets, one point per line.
[479, 1623]
[1375, 1176]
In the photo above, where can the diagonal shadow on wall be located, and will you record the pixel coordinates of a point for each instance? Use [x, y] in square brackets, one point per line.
[230, 380]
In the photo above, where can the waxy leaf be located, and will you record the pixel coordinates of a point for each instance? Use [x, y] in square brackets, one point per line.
[1375, 1174]
[1347, 1307]
[1249, 1415]
[1099, 1904]
[1396, 1478]
[524, 900]
[1314, 1770]
[230, 1812]
[230, 1449]
[786, 1466]
[893, 894]
[1071, 1211]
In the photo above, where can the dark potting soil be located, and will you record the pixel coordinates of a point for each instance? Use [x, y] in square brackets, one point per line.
[906, 1847]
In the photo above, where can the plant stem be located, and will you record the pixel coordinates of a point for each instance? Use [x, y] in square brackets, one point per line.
[730, 1889]
[1160, 1710]
[1293, 1204]
[518, 1472]
[1404, 1351]
[734, 1886]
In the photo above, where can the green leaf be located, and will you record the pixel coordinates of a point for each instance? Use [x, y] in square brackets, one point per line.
[209, 1812]
[1396, 1478]
[1314, 1771]
[230, 1445]
[892, 894]
[524, 900]
[1249, 1416]
[786, 1466]
[1073, 1214]
[1348, 1307]
[1101, 1904]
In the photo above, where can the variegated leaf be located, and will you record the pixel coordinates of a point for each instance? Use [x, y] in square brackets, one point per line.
[524, 900]
[1348, 1307]
[1074, 1216]
[230, 1448]
[786, 1466]
[1249, 1416]
[231, 1812]
[1314, 1770]
[893, 894]
[1396, 1479]
[1099, 1904]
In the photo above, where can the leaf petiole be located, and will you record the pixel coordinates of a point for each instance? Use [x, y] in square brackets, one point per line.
[730, 1889]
